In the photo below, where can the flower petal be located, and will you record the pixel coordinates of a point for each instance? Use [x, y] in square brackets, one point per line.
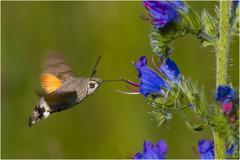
[148, 151]
[153, 151]
[227, 107]
[230, 150]
[170, 69]
[163, 12]
[138, 156]
[225, 94]
[150, 81]
[206, 149]
[161, 148]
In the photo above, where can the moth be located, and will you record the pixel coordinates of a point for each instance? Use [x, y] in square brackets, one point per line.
[62, 88]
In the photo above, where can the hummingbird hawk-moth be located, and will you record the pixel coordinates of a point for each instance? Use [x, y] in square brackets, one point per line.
[62, 88]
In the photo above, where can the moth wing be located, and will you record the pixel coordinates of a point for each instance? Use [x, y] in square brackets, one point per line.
[50, 82]
[61, 101]
[55, 72]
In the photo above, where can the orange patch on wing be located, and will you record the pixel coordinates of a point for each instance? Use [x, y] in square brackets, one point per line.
[50, 82]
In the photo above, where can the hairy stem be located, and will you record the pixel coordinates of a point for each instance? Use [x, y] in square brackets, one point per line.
[223, 45]
[222, 69]
[219, 146]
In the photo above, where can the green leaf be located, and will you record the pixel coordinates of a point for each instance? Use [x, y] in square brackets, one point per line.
[209, 24]
[191, 21]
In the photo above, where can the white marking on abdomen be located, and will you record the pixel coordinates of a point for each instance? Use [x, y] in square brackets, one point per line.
[43, 104]
[46, 114]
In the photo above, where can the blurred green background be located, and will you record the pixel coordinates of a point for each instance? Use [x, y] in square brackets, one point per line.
[107, 124]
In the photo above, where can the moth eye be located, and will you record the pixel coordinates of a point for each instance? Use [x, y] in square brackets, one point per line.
[92, 85]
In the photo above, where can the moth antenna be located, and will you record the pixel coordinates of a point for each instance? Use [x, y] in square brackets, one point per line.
[94, 68]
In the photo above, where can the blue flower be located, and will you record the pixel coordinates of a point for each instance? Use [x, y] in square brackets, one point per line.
[153, 151]
[225, 94]
[170, 69]
[163, 12]
[230, 150]
[206, 149]
[150, 81]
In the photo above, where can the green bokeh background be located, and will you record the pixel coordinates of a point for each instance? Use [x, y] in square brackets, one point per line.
[107, 124]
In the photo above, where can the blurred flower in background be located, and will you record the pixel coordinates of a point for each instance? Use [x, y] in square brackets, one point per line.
[206, 149]
[153, 151]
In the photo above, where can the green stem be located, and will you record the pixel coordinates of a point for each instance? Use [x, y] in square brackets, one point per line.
[219, 146]
[223, 44]
[222, 69]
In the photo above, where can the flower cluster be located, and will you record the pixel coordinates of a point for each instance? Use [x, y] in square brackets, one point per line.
[170, 20]
[151, 83]
[164, 13]
[153, 151]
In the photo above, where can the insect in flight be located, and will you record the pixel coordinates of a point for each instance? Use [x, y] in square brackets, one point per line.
[63, 89]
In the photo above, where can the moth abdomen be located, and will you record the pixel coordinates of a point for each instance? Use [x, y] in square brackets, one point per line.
[41, 110]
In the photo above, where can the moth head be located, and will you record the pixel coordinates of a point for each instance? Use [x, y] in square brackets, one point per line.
[93, 84]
